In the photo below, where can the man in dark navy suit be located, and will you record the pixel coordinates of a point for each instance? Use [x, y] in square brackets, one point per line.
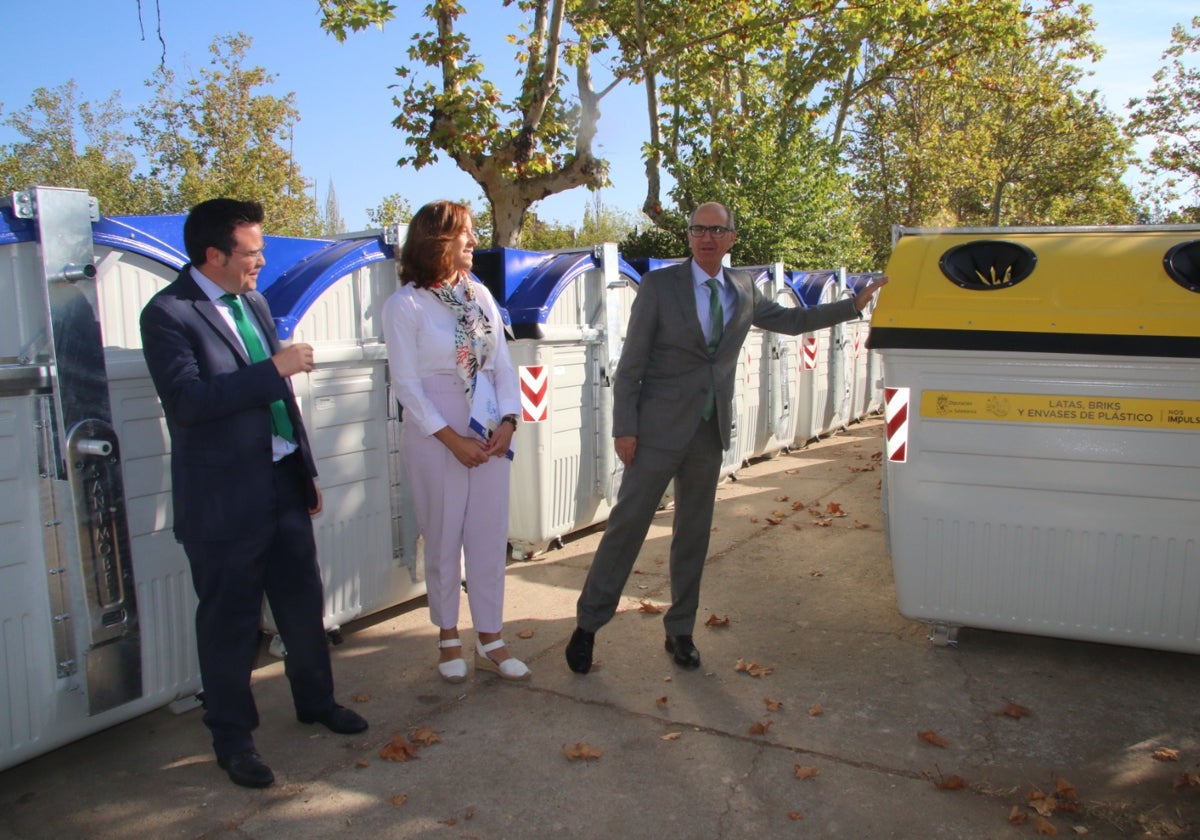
[242, 480]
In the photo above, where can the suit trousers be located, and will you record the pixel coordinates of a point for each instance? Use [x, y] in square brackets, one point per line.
[278, 559]
[695, 469]
[462, 513]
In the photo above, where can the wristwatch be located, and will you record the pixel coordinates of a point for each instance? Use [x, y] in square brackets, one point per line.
[510, 418]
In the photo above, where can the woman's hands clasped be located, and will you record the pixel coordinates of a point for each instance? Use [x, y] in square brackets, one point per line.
[473, 452]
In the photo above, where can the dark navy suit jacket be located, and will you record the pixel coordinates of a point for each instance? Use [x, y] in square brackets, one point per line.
[217, 405]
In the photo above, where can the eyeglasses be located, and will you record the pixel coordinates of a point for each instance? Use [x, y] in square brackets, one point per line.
[717, 231]
[255, 254]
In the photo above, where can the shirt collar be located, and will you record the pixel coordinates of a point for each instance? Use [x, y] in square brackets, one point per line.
[207, 286]
[700, 278]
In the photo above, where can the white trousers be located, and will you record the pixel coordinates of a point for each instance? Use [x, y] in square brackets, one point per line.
[462, 513]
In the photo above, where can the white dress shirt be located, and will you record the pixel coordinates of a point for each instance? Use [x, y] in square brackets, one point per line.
[703, 302]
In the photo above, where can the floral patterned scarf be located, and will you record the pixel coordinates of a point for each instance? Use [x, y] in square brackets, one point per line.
[472, 334]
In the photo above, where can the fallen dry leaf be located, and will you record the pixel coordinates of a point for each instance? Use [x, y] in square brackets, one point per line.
[858, 524]
[1187, 780]
[802, 771]
[671, 736]
[772, 704]
[525, 634]
[824, 523]
[834, 509]
[647, 607]
[951, 783]
[760, 727]
[774, 520]
[361, 698]
[581, 751]
[398, 749]
[1064, 789]
[1044, 826]
[399, 799]
[469, 813]
[797, 505]
[450, 821]
[661, 702]
[1165, 754]
[424, 736]
[781, 498]
[753, 668]
[931, 737]
[816, 573]
[754, 519]
[362, 762]
[1043, 804]
[815, 710]
[1016, 816]
[1015, 711]
[814, 513]
[795, 815]
[713, 621]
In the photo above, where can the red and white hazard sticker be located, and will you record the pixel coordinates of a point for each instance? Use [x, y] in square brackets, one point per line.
[808, 353]
[535, 393]
[895, 415]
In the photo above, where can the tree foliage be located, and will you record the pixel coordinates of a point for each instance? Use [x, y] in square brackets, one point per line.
[68, 143]
[1003, 135]
[393, 209]
[536, 143]
[1170, 115]
[220, 135]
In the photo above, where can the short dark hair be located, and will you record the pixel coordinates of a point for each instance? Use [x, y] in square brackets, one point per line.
[210, 224]
[426, 257]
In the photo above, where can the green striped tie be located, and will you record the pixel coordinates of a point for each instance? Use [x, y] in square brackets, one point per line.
[280, 422]
[716, 320]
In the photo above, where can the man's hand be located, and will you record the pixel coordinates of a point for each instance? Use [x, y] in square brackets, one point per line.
[626, 446]
[293, 359]
[863, 299]
[313, 511]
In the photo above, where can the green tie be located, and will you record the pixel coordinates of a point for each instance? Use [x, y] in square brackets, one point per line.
[716, 320]
[280, 422]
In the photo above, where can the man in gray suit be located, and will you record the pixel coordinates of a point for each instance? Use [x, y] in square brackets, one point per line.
[672, 407]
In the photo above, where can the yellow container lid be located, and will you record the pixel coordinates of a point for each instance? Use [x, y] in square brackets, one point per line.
[1096, 290]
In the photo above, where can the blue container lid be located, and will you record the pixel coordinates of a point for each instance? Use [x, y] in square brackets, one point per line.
[810, 286]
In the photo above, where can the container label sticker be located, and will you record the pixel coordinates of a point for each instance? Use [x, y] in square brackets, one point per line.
[1065, 409]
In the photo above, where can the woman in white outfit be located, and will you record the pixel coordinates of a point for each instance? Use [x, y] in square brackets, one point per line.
[449, 364]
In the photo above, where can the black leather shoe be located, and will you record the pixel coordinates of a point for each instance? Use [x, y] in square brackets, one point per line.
[339, 719]
[685, 653]
[247, 769]
[579, 651]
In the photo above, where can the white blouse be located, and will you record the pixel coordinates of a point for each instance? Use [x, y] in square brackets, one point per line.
[419, 331]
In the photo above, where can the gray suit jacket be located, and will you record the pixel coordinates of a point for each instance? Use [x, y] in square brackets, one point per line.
[665, 369]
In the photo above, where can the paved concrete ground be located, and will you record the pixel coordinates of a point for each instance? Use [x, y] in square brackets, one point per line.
[716, 753]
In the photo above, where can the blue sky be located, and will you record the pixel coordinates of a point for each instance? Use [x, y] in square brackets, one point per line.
[345, 134]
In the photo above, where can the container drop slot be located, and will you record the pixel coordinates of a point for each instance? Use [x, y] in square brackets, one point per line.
[1183, 264]
[987, 264]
